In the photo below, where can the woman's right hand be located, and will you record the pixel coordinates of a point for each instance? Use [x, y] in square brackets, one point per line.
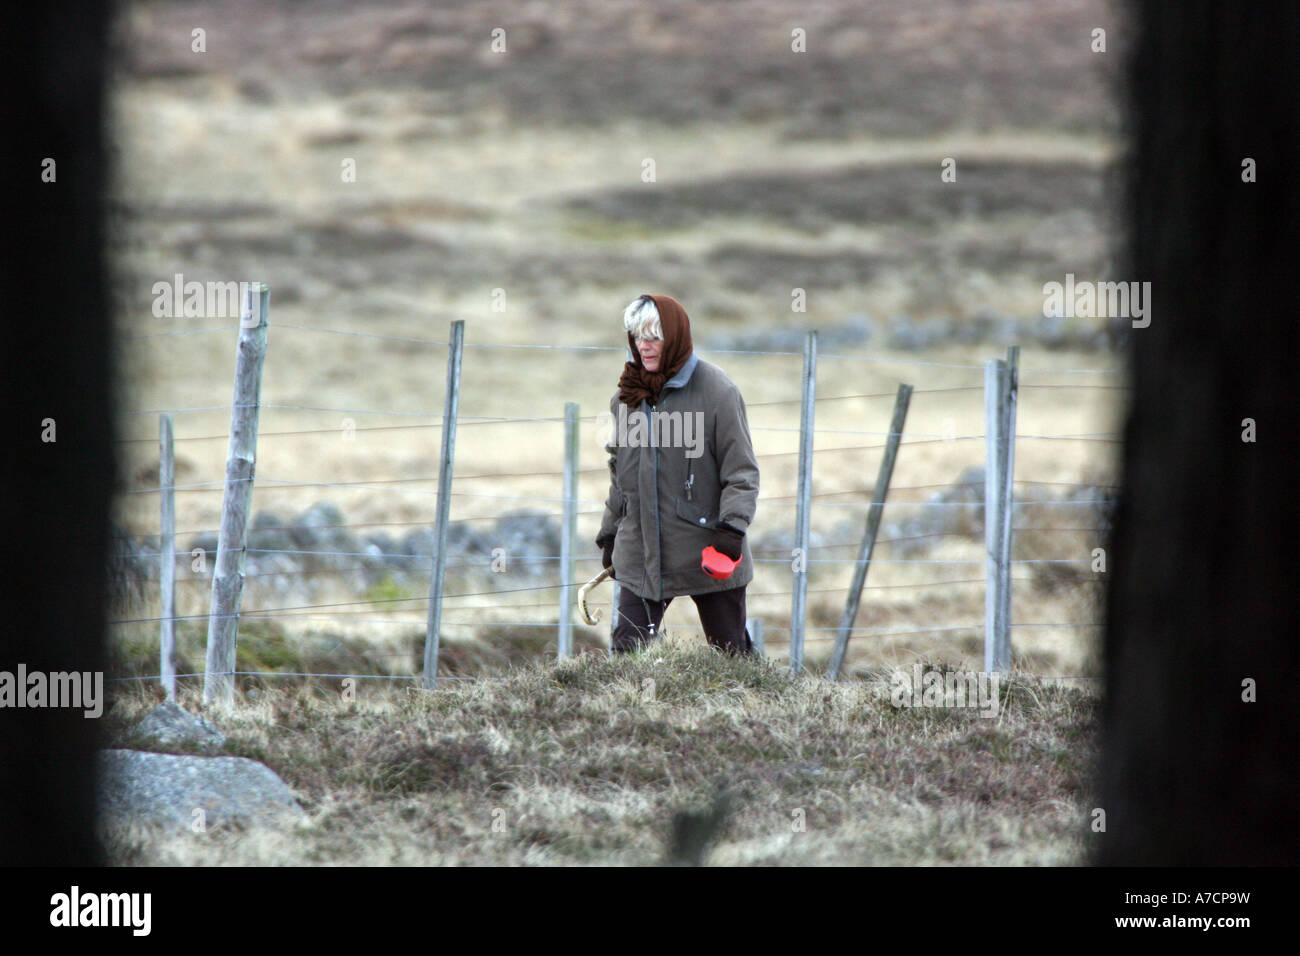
[607, 554]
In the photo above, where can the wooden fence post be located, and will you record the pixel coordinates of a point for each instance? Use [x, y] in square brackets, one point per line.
[803, 514]
[568, 529]
[868, 544]
[999, 424]
[450, 411]
[241, 461]
[167, 557]
[1011, 374]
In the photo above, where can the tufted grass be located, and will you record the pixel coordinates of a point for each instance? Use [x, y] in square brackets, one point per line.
[674, 754]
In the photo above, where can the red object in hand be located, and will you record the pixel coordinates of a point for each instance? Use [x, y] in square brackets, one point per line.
[716, 564]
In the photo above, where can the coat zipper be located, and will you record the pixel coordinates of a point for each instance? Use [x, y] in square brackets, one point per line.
[659, 542]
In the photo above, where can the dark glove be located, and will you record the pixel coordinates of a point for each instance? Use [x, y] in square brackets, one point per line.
[727, 540]
[607, 554]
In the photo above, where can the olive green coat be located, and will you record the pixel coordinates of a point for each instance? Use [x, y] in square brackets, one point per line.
[665, 501]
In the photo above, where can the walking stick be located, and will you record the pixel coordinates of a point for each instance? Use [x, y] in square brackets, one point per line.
[582, 595]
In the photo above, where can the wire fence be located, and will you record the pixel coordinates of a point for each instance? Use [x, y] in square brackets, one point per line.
[371, 610]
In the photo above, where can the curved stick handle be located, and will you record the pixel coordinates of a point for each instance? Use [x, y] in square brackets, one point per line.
[582, 596]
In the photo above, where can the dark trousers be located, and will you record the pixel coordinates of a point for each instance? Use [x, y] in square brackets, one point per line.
[722, 613]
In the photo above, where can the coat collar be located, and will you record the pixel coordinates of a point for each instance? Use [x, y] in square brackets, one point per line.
[684, 373]
[679, 380]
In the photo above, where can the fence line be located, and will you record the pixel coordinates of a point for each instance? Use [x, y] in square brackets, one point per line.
[467, 419]
[365, 616]
[159, 335]
[389, 524]
[470, 420]
[284, 484]
[488, 559]
[607, 348]
[299, 674]
[840, 398]
[752, 594]
[805, 501]
[438, 424]
[954, 627]
[945, 504]
[551, 604]
[366, 484]
[884, 630]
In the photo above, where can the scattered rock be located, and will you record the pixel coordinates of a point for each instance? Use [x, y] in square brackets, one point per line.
[910, 529]
[166, 790]
[276, 557]
[168, 725]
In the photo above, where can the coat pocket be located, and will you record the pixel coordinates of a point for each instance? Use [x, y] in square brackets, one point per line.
[691, 512]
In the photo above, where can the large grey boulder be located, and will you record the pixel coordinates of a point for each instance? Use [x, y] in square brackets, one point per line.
[169, 726]
[166, 790]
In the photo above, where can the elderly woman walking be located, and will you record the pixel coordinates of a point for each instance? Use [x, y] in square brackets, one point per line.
[683, 484]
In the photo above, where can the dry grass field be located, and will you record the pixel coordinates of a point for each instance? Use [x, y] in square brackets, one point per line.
[624, 762]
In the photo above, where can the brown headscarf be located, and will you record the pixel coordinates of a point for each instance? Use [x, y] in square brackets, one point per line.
[636, 383]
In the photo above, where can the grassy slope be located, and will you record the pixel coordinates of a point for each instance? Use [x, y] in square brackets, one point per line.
[586, 762]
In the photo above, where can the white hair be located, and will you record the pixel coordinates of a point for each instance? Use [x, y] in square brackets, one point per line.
[641, 318]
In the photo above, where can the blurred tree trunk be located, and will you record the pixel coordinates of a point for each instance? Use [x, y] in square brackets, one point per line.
[1204, 593]
[54, 364]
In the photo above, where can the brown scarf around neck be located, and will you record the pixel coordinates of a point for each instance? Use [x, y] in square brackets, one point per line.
[637, 384]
